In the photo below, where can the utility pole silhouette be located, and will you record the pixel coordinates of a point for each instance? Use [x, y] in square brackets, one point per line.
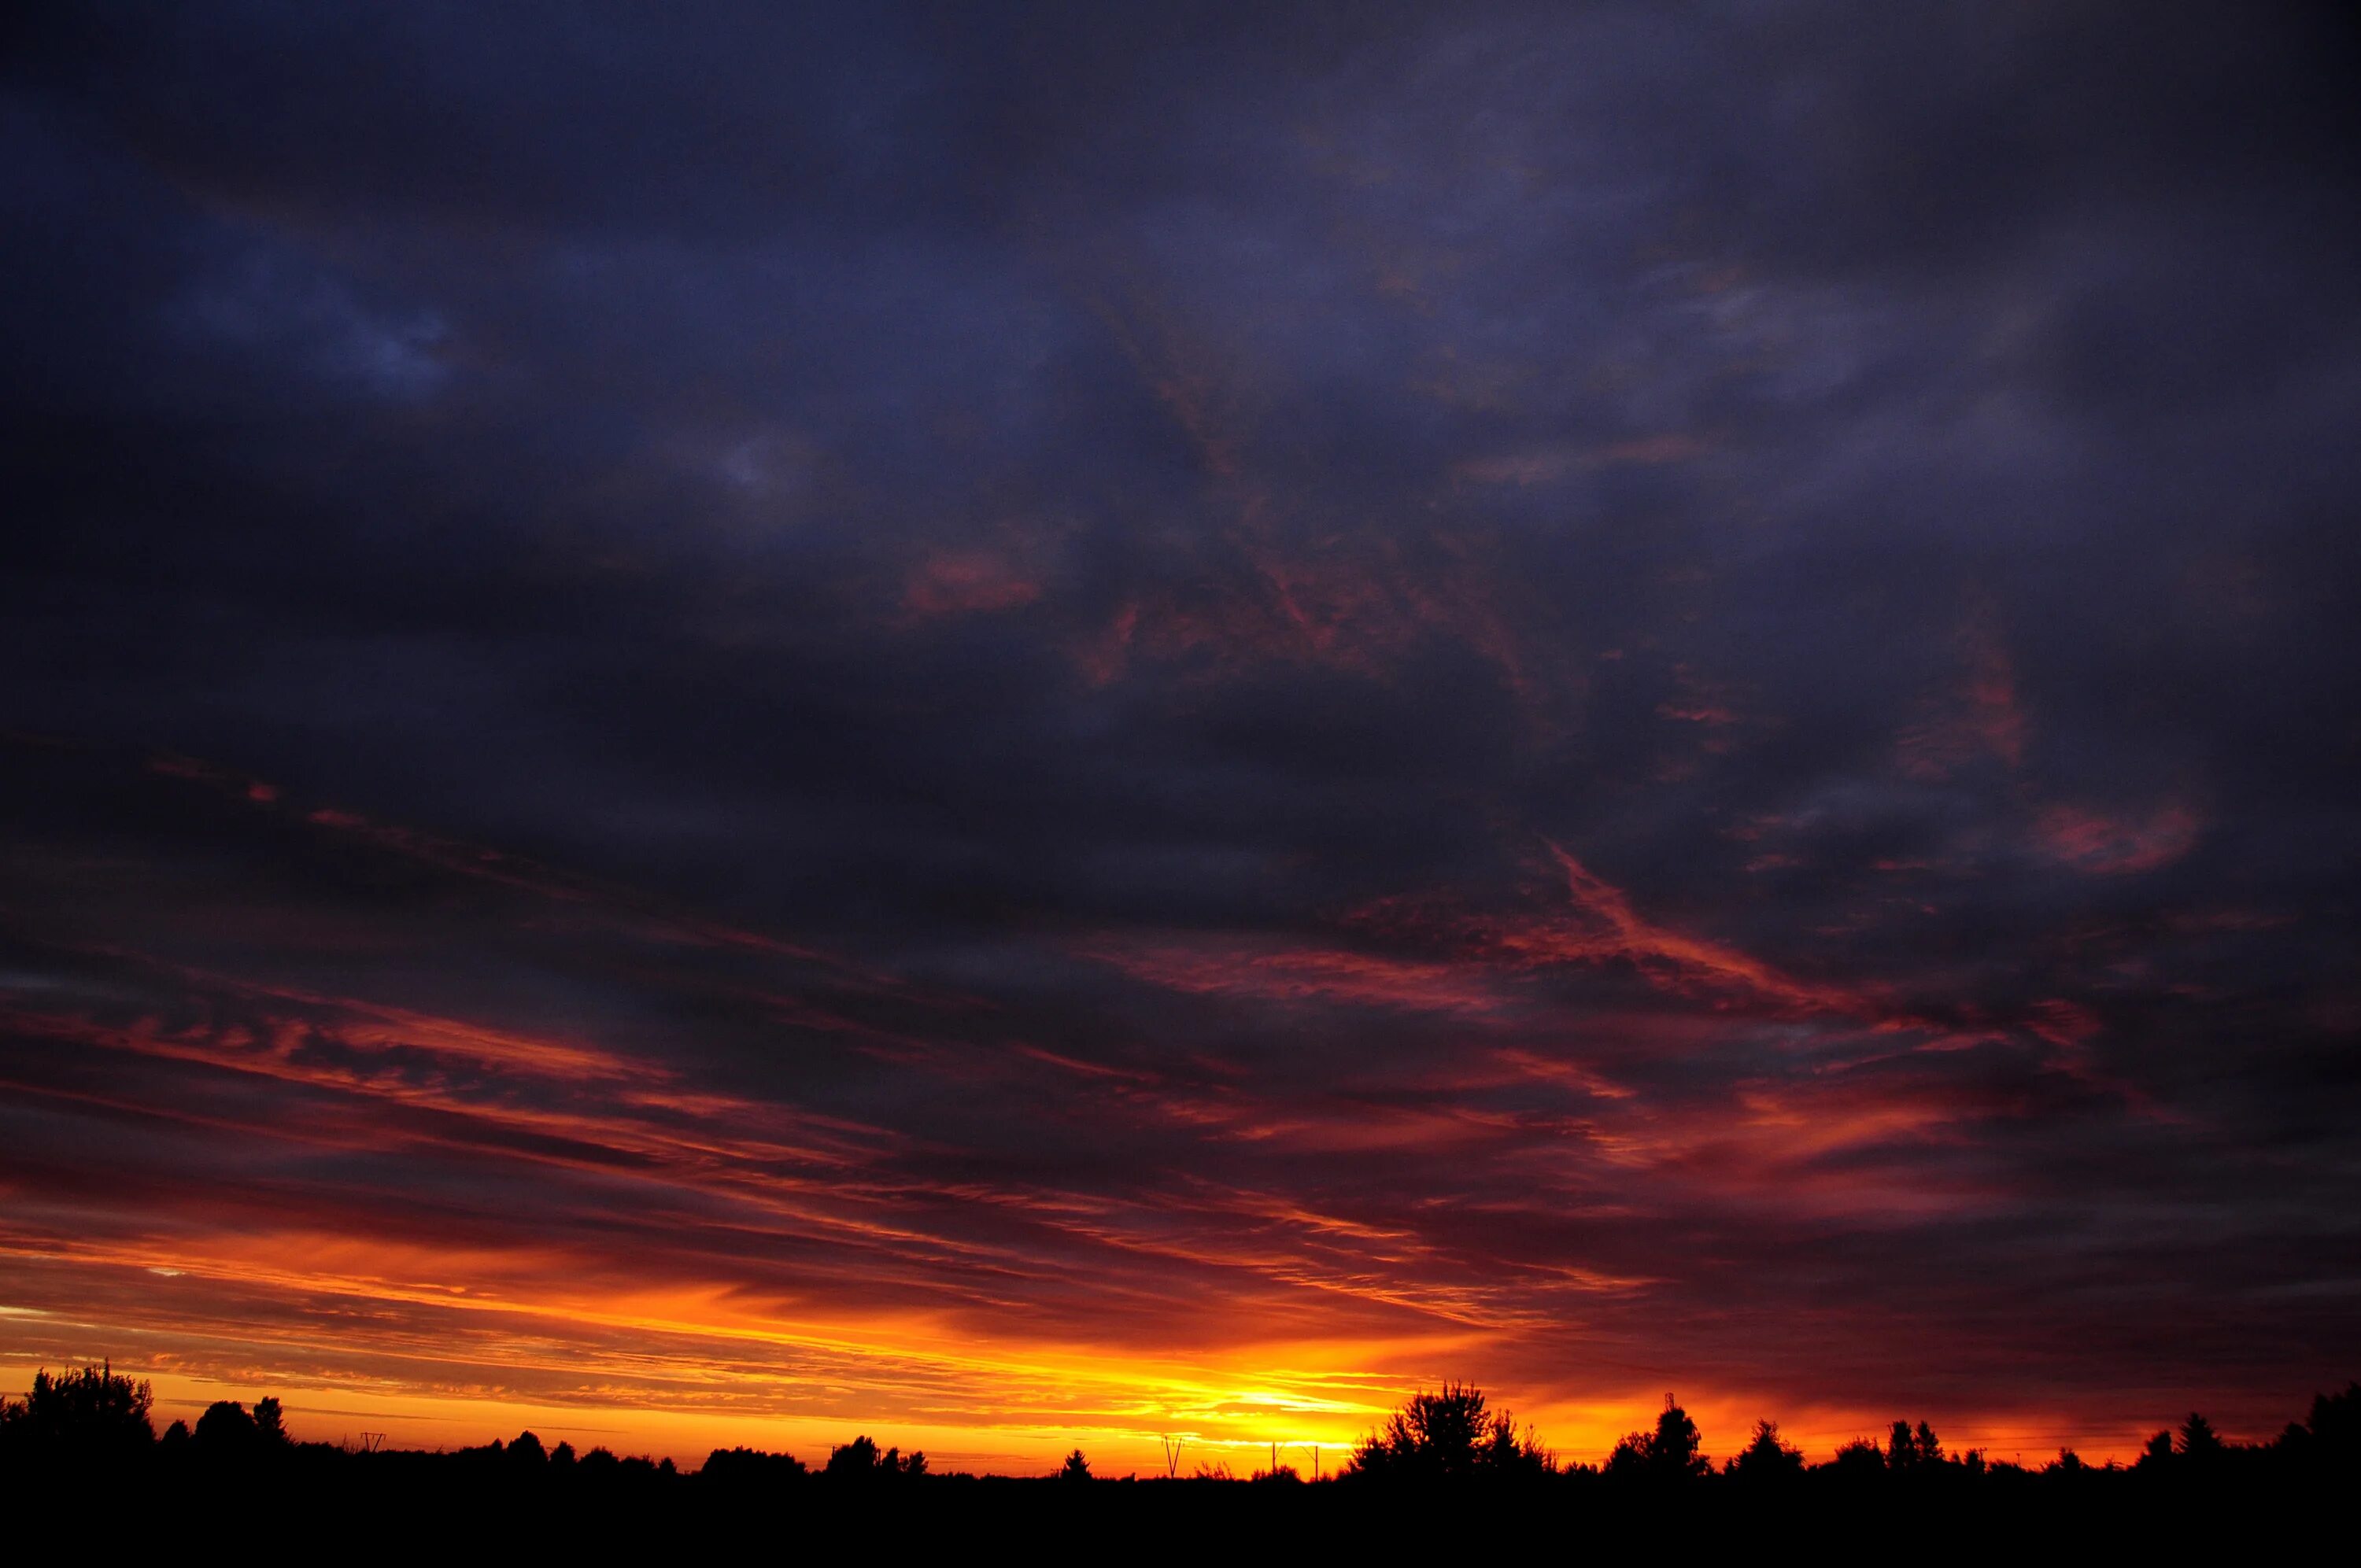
[1172, 1446]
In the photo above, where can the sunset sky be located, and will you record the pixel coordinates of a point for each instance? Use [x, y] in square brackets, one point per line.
[1033, 728]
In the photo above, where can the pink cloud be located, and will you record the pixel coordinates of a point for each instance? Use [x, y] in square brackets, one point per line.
[966, 582]
[1271, 971]
[2101, 845]
[1543, 464]
[1983, 717]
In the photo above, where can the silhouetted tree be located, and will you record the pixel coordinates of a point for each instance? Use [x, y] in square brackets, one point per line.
[1765, 1459]
[1449, 1436]
[1671, 1453]
[225, 1430]
[2198, 1442]
[1075, 1468]
[859, 1459]
[269, 1421]
[855, 1459]
[1908, 1452]
[2331, 1439]
[1858, 1460]
[748, 1466]
[88, 1414]
[1508, 1454]
[2336, 1420]
[1901, 1448]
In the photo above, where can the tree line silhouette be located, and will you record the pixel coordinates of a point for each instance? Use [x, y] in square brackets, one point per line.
[93, 1423]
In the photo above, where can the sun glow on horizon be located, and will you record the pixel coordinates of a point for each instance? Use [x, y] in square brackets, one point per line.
[679, 1376]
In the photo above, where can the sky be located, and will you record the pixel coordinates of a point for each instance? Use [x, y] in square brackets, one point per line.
[1042, 726]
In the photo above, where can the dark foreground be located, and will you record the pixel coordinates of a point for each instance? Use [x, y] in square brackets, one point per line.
[84, 1475]
[419, 1505]
[447, 1508]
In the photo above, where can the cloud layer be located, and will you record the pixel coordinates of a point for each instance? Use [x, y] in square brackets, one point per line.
[1101, 724]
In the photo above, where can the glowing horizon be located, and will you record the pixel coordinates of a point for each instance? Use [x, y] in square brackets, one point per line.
[1119, 1408]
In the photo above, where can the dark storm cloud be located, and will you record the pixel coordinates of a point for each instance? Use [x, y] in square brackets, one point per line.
[1672, 682]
